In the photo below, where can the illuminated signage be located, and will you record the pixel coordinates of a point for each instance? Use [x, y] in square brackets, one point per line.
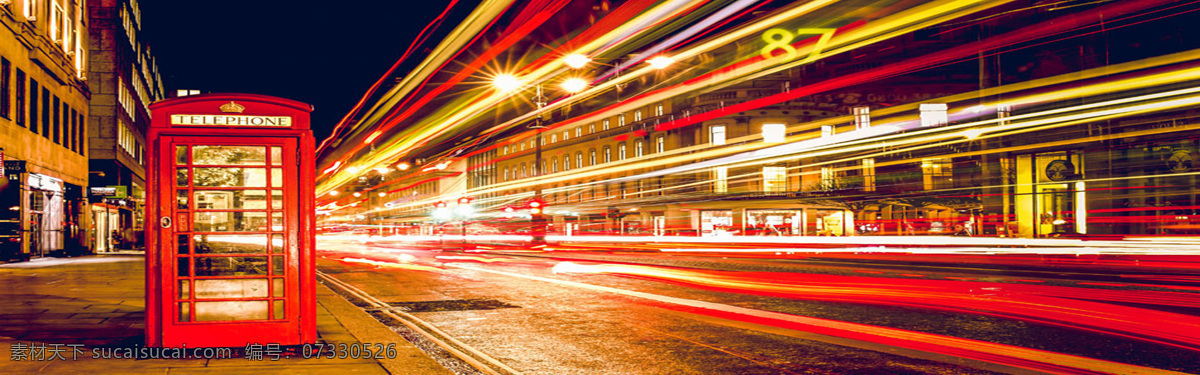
[232, 120]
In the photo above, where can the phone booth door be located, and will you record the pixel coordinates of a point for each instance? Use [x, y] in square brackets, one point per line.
[230, 216]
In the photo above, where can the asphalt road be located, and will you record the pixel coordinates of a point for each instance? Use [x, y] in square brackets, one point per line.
[588, 312]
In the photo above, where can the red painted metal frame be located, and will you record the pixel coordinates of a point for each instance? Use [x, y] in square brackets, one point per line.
[160, 327]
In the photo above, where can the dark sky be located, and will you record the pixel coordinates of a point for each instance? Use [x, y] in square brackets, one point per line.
[325, 53]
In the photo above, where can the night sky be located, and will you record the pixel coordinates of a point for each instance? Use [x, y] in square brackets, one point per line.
[323, 53]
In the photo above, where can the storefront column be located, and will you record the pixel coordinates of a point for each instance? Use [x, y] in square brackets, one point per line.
[1025, 200]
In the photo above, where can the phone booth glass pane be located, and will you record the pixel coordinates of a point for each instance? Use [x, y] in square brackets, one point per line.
[231, 231]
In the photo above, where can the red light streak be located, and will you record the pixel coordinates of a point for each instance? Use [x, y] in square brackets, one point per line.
[1058, 25]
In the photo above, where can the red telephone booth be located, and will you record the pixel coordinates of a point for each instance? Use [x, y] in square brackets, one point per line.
[229, 222]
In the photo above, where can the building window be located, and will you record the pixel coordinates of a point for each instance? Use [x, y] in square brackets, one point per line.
[33, 106]
[506, 178]
[566, 135]
[20, 91]
[637, 149]
[868, 172]
[567, 163]
[774, 179]
[938, 174]
[862, 117]
[56, 22]
[621, 120]
[45, 112]
[524, 170]
[934, 114]
[5, 95]
[637, 116]
[553, 138]
[607, 154]
[716, 135]
[592, 158]
[827, 178]
[31, 9]
[621, 152]
[578, 132]
[658, 110]
[592, 128]
[827, 131]
[554, 165]
[56, 121]
[721, 180]
[82, 129]
[605, 124]
[660, 144]
[774, 133]
[68, 127]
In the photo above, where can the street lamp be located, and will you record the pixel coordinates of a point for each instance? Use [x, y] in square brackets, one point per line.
[509, 83]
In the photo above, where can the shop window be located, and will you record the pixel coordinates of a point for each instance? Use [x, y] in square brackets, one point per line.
[774, 133]
[862, 117]
[937, 174]
[868, 172]
[934, 114]
[716, 135]
[774, 179]
[827, 178]
[827, 131]
[721, 180]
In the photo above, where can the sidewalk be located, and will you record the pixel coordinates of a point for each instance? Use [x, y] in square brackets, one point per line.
[98, 302]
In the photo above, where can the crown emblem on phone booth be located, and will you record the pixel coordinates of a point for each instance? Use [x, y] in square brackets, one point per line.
[232, 107]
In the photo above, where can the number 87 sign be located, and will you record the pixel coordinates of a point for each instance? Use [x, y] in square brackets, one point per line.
[782, 39]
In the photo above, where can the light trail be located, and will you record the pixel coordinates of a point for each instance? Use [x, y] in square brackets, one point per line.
[1038, 360]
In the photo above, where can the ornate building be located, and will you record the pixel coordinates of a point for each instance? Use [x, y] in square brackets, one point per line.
[44, 93]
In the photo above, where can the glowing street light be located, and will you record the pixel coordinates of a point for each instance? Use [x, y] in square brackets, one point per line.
[357, 194]
[659, 62]
[382, 194]
[576, 60]
[353, 169]
[574, 85]
[506, 83]
[403, 166]
[333, 193]
[383, 170]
